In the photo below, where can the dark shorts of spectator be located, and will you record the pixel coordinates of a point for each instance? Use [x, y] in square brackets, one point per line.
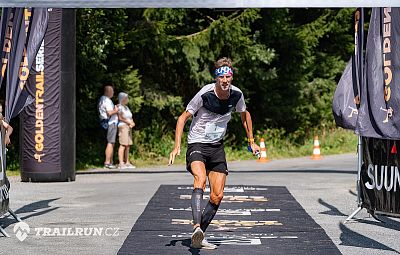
[110, 134]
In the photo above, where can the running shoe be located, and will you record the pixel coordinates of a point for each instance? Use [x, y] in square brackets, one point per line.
[197, 238]
[208, 246]
[122, 166]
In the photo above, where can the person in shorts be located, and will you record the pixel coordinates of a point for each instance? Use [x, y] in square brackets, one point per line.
[108, 114]
[125, 126]
[211, 109]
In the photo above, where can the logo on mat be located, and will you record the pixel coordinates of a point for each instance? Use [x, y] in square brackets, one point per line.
[21, 230]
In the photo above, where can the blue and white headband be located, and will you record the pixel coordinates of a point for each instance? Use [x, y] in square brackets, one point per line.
[223, 70]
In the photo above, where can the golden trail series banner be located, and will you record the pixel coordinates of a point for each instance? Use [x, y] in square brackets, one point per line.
[48, 125]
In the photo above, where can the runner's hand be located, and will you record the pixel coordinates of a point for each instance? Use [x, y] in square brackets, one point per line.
[175, 152]
[254, 148]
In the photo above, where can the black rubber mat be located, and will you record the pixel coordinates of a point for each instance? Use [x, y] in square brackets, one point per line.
[251, 220]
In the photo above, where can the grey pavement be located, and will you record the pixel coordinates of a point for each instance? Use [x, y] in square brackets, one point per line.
[114, 201]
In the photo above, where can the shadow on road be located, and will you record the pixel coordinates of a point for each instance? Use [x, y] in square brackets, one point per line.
[185, 242]
[387, 223]
[350, 238]
[34, 209]
[332, 209]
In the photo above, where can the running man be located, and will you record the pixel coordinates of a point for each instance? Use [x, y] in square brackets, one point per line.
[211, 109]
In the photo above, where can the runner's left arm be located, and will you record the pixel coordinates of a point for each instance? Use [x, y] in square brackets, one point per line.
[248, 126]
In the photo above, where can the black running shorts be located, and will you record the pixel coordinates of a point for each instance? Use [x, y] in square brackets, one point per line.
[211, 154]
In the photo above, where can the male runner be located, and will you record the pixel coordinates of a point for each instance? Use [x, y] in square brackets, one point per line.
[211, 109]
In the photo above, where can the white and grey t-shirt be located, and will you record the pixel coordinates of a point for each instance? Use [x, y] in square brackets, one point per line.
[211, 114]
[106, 104]
[126, 113]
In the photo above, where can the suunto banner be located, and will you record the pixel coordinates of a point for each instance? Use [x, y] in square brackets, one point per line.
[380, 91]
[41, 120]
[380, 177]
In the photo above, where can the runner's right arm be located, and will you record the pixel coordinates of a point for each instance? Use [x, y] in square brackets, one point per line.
[180, 124]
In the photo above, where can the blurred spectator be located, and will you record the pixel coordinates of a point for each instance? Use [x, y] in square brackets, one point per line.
[125, 126]
[108, 114]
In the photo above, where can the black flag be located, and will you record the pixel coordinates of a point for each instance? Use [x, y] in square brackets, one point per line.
[379, 114]
[30, 26]
[5, 39]
[21, 33]
[5, 43]
[346, 99]
[344, 106]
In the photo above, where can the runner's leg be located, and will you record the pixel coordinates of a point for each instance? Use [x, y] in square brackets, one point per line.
[199, 173]
[217, 184]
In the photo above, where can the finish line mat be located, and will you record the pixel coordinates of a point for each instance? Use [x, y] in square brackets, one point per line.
[251, 220]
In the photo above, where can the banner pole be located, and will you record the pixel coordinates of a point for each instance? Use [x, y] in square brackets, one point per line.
[359, 165]
[360, 142]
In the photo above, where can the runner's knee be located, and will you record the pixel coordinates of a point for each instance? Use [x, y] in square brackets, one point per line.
[216, 197]
[200, 181]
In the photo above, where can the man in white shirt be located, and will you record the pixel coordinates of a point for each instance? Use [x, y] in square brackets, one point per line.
[211, 109]
[108, 114]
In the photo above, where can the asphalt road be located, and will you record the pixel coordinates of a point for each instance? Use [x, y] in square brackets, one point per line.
[107, 206]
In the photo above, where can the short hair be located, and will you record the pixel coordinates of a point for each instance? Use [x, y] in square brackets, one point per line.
[107, 85]
[224, 61]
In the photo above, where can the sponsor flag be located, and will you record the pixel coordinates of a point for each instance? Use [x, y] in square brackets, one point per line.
[5, 43]
[21, 33]
[5, 39]
[30, 27]
[344, 106]
[379, 113]
[346, 99]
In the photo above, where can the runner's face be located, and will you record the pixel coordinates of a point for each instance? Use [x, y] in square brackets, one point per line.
[225, 81]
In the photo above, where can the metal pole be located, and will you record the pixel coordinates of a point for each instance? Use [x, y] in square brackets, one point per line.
[359, 165]
[360, 51]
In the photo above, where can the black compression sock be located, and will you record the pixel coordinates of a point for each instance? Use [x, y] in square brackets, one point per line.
[208, 215]
[197, 197]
